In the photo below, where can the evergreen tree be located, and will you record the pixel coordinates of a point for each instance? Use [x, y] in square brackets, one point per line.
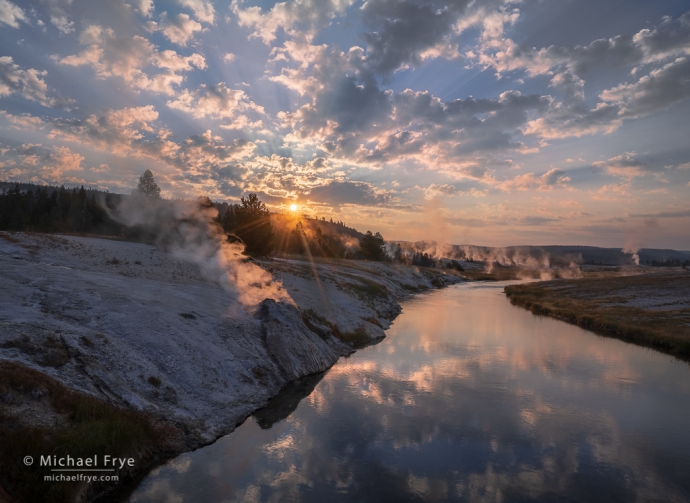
[253, 226]
[373, 246]
[147, 186]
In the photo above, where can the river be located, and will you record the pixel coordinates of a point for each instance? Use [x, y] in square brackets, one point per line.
[467, 399]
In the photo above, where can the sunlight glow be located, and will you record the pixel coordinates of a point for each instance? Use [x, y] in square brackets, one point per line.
[293, 207]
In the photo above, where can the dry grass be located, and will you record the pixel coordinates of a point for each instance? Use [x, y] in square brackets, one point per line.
[40, 416]
[650, 309]
[8, 237]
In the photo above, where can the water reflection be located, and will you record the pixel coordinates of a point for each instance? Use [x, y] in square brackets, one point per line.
[467, 399]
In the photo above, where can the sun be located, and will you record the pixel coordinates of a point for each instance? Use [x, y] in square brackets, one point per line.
[293, 207]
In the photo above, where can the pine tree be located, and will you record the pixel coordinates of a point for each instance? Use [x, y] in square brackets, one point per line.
[147, 186]
[253, 226]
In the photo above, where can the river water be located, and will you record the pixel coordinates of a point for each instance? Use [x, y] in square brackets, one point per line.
[467, 399]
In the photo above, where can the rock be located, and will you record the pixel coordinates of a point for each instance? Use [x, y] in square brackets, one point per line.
[296, 350]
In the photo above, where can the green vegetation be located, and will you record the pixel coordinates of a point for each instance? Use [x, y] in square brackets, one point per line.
[250, 221]
[615, 306]
[366, 288]
[147, 186]
[51, 209]
[321, 326]
[356, 339]
[40, 416]
[373, 247]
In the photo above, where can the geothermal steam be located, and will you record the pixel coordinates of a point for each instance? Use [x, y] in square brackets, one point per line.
[524, 257]
[186, 230]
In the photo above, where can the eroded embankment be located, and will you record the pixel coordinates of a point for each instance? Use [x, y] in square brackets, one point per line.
[119, 347]
[650, 309]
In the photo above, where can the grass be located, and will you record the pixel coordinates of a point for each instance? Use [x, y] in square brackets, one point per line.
[72, 424]
[367, 288]
[356, 339]
[599, 304]
[311, 318]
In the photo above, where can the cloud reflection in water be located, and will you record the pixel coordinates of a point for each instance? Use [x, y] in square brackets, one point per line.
[467, 399]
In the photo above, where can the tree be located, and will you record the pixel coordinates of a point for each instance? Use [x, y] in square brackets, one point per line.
[147, 186]
[253, 226]
[373, 246]
[295, 243]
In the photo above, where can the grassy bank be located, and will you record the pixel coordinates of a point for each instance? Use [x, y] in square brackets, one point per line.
[650, 309]
[41, 417]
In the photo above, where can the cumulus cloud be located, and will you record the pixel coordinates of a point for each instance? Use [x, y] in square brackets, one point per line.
[62, 23]
[28, 83]
[203, 9]
[554, 178]
[626, 166]
[133, 133]
[179, 28]
[658, 90]
[10, 14]
[352, 117]
[404, 32]
[337, 193]
[51, 163]
[218, 102]
[449, 190]
[23, 121]
[667, 44]
[58, 15]
[306, 14]
[145, 7]
[128, 57]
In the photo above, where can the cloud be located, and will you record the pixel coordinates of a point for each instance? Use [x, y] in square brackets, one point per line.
[554, 178]
[62, 23]
[218, 102]
[668, 43]
[534, 221]
[58, 15]
[658, 90]
[179, 28]
[229, 57]
[308, 14]
[23, 121]
[625, 166]
[337, 193]
[670, 39]
[10, 14]
[663, 214]
[28, 83]
[353, 118]
[133, 133]
[445, 189]
[145, 7]
[203, 9]
[50, 164]
[404, 32]
[127, 57]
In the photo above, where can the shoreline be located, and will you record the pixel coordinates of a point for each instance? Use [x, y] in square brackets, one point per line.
[650, 310]
[125, 325]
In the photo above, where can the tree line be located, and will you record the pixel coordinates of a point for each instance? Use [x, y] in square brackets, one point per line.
[35, 208]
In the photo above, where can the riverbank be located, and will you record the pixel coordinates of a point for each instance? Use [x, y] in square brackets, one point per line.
[650, 309]
[128, 329]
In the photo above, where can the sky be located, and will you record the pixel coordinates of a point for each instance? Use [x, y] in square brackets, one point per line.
[495, 122]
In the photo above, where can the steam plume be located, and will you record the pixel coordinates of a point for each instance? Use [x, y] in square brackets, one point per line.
[186, 230]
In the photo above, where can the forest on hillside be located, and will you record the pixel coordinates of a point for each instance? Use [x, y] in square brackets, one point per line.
[49, 209]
